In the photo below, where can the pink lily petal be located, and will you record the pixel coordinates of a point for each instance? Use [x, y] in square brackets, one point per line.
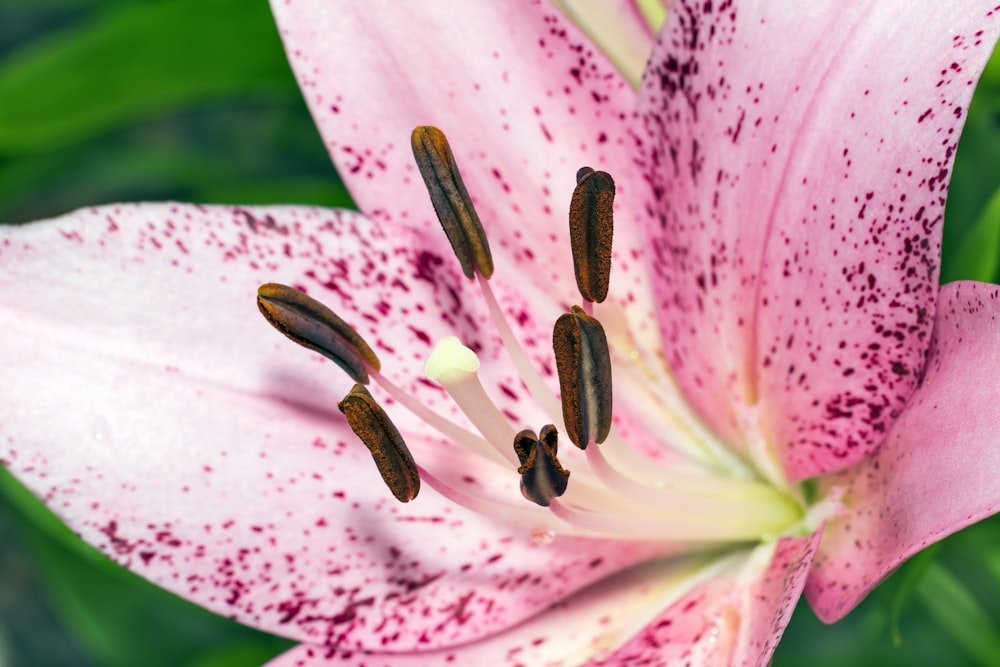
[158, 414]
[722, 622]
[937, 471]
[729, 621]
[523, 96]
[817, 184]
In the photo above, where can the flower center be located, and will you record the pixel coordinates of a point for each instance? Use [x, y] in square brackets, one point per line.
[679, 484]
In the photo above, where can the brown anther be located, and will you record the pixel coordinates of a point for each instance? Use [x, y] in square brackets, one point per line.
[583, 362]
[542, 476]
[451, 201]
[311, 324]
[591, 228]
[394, 462]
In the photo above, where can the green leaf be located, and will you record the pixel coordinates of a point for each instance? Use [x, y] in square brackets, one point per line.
[224, 152]
[905, 584]
[31, 508]
[311, 192]
[975, 257]
[976, 165]
[133, 61]
[956, 610]
[242, 654]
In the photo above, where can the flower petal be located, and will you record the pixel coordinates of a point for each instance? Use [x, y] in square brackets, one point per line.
[721, 621]
[146, 400]
[937, 471]
[800, 196]
[523, 97]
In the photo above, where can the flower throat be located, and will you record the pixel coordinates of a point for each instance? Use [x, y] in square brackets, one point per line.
[626, 495]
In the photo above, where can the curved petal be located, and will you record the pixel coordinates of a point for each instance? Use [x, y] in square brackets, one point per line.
[727, 620]
[799, 161]
[149, 404]
[937, 471]
[523, 96]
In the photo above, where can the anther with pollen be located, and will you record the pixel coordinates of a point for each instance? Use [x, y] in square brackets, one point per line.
[583, 362]
[542, 477]
[451, 201]
[591, 227]
[312, 325]
[372, 425]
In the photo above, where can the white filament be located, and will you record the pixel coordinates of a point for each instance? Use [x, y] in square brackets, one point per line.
[624, 496]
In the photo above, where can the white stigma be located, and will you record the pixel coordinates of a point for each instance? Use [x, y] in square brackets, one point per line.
[451, 362]
[454, 366]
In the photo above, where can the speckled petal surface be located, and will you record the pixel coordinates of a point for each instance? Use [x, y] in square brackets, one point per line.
[725, 621]
[730, 621]
[149, 404]
[800, 199]
[937, 471]
[524, 98]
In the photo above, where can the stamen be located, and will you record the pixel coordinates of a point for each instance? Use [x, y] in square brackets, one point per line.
[529, 374]
[451, 200]
[707, 497]
[309, 323]
[675, 527]
[584, 366]
[542, 476]
[393, 460]
[531, 518]
[442, 425]
[591, 228]
[631, 494]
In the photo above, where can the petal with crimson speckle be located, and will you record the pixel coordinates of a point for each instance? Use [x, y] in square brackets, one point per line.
[731, 619]
[798, 242]
[937, 471]
[159, 415]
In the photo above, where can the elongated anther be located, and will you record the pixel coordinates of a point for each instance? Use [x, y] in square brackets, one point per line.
[583, 362]
[542, 476]
[394, 462]
[311, 324]
[451, 200]
[591, 228]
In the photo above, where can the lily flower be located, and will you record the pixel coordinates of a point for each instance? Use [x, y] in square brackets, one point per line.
[796, 404]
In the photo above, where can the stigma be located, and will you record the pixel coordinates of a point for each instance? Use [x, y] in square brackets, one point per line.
[694, 491]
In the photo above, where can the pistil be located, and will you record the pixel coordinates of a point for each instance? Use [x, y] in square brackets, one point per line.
[454, 366]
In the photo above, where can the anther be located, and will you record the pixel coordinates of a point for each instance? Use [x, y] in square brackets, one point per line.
[451, 201]
[311, 324]
[394, 462]
[591, 227]
[583, 362]
[542, 477]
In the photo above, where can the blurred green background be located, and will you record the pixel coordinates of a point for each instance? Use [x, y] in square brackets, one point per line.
[192, 100]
